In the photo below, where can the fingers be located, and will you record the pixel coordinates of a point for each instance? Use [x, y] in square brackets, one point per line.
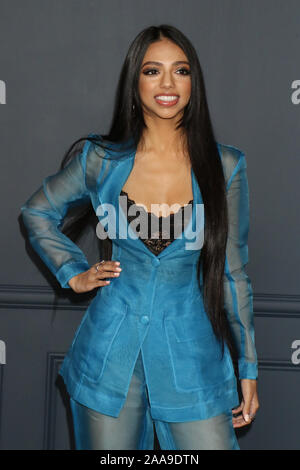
[106, 269]
[238, 409]
[239, 421]
[105, 265]
[237, 416]
[95, 276]
[240, 413]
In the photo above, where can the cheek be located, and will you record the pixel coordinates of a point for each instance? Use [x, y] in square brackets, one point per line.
[186, 89]
[145, 89]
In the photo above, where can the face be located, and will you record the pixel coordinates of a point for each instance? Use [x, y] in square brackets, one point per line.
[165, 80]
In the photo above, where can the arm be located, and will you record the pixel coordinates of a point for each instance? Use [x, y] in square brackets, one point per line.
[237, 285]
[44, 212]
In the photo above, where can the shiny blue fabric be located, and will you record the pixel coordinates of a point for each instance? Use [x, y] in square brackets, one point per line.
[155, 306]
[133, 429]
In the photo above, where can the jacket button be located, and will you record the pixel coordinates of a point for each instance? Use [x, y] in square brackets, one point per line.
[155, 262]
[145, 319]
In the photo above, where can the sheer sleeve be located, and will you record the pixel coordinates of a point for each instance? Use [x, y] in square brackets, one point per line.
[44, 212]
[237, 285]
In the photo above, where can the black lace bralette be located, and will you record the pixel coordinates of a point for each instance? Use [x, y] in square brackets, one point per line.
[162, 240]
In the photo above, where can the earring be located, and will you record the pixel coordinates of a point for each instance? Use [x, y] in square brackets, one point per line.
[133, 107]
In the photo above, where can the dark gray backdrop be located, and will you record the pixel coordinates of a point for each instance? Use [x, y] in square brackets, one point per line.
[60, 62]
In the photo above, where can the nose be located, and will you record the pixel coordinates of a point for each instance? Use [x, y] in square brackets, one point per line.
[167, 79]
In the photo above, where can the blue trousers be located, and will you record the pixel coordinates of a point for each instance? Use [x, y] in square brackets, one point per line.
[134, 427]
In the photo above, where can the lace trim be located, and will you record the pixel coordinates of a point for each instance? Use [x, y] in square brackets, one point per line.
[162, 240]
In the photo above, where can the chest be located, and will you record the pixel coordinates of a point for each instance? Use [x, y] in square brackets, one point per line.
[164, 182]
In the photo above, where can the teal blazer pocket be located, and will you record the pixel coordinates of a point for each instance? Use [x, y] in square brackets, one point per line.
[196, 354]
[94, 338]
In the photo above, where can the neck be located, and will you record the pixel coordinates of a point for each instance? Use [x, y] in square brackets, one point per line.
[161, 137]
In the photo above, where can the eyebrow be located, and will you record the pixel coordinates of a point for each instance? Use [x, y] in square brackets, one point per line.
[159, 63]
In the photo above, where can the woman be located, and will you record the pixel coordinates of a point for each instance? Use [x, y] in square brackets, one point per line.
[154, 345]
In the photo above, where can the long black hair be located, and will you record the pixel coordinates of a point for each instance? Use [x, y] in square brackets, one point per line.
[128, 125]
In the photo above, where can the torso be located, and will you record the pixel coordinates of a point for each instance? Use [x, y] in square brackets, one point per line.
[155, 180]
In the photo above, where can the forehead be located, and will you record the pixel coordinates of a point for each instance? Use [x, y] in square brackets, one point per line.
[164, 51]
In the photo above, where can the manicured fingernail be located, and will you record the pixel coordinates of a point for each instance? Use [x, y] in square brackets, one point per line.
[117, 262]
[247, 418]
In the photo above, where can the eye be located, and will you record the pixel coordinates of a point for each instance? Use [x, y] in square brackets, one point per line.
[185, 70]
[147, 71]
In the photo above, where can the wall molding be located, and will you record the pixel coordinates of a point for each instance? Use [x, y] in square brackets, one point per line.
[54, 362]
[44, 297]
[276, 305]
[40, 297]
[278, 365]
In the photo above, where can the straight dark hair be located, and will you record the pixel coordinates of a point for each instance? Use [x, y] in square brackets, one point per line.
[127, 127]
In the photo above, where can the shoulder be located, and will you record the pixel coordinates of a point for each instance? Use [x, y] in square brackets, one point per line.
[100, 157]
[92, 159]
[233, 159]
[93, 146]
[108, 150]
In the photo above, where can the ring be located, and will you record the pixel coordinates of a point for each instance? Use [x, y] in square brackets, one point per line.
[97, 265]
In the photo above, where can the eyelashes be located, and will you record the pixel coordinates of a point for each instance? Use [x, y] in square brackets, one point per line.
[183, 69]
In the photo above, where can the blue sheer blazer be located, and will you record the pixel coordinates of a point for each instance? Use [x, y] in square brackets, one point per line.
[155, 306]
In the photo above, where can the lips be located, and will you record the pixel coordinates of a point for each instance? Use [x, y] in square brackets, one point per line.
[164, 95]
[166, 100]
